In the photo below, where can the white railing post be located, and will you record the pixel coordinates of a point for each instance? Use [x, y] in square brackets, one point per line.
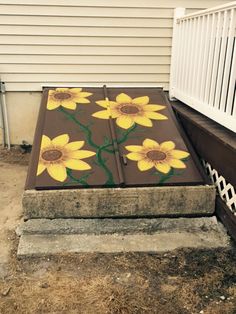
[178, 12]
[203, 63]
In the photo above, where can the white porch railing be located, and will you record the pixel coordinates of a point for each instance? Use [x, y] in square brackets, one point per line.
[203, 66]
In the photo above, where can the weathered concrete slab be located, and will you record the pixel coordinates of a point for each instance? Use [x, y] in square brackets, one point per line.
[41, 245]
[119, 226]
[118, 202]
[148, 235]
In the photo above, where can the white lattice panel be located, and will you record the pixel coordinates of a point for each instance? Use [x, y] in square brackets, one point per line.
[225, 189]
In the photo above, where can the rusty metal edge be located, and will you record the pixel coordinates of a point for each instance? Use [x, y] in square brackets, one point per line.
[31, 174]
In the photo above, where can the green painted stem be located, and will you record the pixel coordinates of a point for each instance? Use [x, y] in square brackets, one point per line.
[126, 134]
[86, 130]
[80, 181]
[98, 148]
[102, 163]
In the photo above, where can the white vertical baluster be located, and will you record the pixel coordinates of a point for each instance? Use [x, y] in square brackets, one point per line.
[186, 54]
[205, 70]
[195, 56]
[210, 59]
[202, 32]
[192, 56]
[228, 60]
[206, 44]
[216, 59]
[188, 59]
[175, 50]
[182, 72]
[231, 91]
[179, 59]
[222, 56]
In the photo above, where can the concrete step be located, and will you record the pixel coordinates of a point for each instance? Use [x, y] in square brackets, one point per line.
[118, 202]
[43, 237]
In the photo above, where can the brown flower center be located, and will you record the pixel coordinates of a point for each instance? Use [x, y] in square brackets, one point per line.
[52, 155]
[62, 96]
[156, 155]
[129, 109]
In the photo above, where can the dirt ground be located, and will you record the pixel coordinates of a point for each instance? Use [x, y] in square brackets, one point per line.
[181, 282]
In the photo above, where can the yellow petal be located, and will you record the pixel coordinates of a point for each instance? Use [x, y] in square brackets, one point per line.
[144, 165]
[41, 168]
[51, 92]
[61, 140]
[69, 105]
[75, 90]
[82, 100]
[115, 115]
[45, 142]
[153, 107]
[76, 164]
[62, 90]
[134, 156]
[176, 163]
[143, 121]
[84, 94]
[103, 114]
[123, 99]
[134, 148]
[148, 143]
[51, 104]
[155, 115]
[179, 154]
[164, 168]
[74, 145]
[103, 103]
[168, 145]
[124, 122]
[144, 100]
[57, 172]
[113, 103]
[80, 154]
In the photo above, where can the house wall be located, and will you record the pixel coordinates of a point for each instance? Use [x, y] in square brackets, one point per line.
[82, 43]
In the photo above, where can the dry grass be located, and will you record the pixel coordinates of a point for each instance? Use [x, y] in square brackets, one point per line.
[185, 281]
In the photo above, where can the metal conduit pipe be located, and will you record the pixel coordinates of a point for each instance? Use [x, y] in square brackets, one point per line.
[2, 126]
[6, 132]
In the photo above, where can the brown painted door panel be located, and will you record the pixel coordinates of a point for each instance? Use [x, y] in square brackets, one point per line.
[130, 139]
[91, 164]
[162, 156]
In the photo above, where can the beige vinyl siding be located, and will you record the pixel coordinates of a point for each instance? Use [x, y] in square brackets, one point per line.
[88, 42]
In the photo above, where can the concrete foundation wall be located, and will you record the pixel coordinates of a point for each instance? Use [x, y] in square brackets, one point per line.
[23, 110]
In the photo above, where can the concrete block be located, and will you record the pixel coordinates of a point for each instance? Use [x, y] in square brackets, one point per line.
[122, 226]
[43, 245]
[118, 202]
[40, 237]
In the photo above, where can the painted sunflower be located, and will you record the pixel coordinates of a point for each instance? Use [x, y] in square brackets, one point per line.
[58, 154]
[128, 111]
[67, 98]
[161, 156]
